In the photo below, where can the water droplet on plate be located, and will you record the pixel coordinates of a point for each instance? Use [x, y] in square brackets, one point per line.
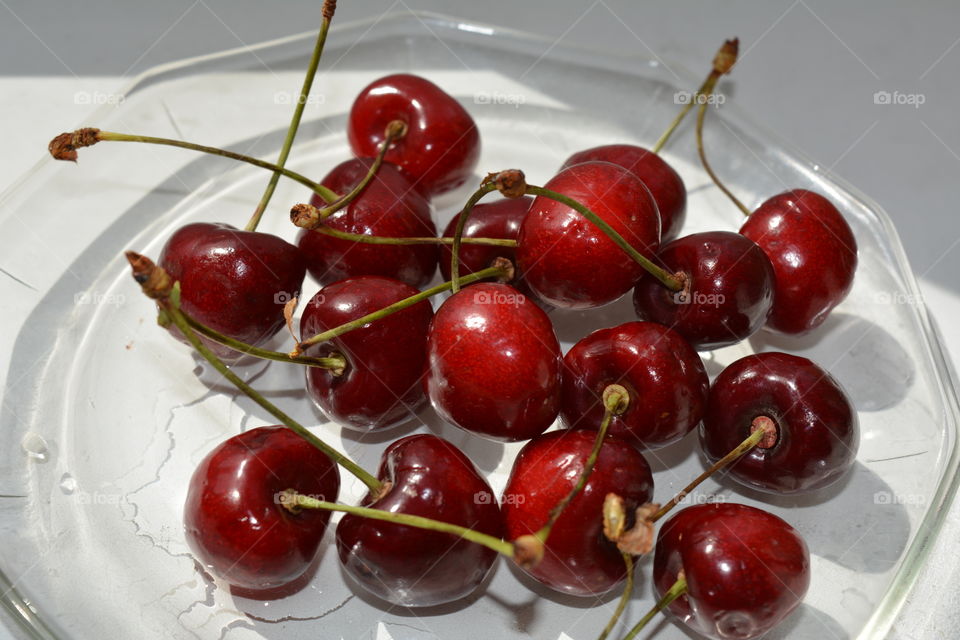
[35, 446]
[68, 484]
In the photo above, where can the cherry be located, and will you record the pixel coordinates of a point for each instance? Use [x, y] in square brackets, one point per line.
[569, 262]
[813, 253]
[381, 385]
[665, 185]
[233, 519]
[494, 363]
[442, 145]
[818, 430]
[425, 476]
[497, 219]
[745, 569]
[233, 281]
[728, 289]
[578, 559]
[663, 374]
[389, 206]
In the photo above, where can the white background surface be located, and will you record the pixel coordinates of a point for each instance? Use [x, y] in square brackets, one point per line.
[808, 70]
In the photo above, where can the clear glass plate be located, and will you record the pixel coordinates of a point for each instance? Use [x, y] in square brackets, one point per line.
[104, 417]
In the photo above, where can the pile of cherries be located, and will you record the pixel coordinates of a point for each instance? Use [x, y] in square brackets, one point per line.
[577, 507]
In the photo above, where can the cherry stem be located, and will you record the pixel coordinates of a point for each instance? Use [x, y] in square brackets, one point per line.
[624, 598]
[484, 189]
[336, 363]
[361, 237]
[293, 500]
[64, 147]
[615, 401]
[723, 62]
[752, 440]
[328, 8]
[157, 284]
[701, 114]
[668, 280]
[676, 590]
[501, 268]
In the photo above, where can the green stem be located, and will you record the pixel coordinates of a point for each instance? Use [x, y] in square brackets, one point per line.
[678, 589]
[701, 114]
[297, 115]
[296, 500]
[624, 598]
[669, 280]
[362, 237]
[458, 234]
[489, 272]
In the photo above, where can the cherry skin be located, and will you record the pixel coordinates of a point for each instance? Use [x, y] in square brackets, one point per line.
[233, 281]
[382, 384]
[494, 363]
[663, 374]
[818, 429]
[746, 569]
[497, 219]
[233, 518]
[728, 292]
[389, 206]
[665, 185]
[442, 144]
[813, 253]
[414, 567]
[578, 559]
[565, 259]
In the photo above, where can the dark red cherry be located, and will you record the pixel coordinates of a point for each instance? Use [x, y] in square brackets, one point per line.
[813, 253]
[442, 145]
[578, 559]
[233, 518]
[728, 292]
[234, 281]
[382, 384]
[818, 429]
[569, 262]
[662, 373]
[494, 363]
[414, 567]
[746, 569]
[664, 183]
[497, 219]
[389, 207]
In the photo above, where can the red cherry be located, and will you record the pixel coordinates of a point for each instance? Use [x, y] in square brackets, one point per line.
[442, 144]
[497, 219]
[813, 253]
[665, 185]
[389, 206]
[663, 374]
[578, 559]
[746, 569]
[818, 428]
[233, 518]
[494, 363]
[414, 567]
[233, 281]
[728, 295]
[381, 385]
[569, 262]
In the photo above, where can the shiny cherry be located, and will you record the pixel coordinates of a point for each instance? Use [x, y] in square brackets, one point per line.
[233, 518]
[494, 363]
[569, 262]
[382, 384]
[746, 569]
[497, 219]
[663, 374]
[442, 144]
[233, 281]
[813, 253]
[818, 429]
[427, 476]
[665, 185]
[728, 289]
[578, 559]
[389, 207]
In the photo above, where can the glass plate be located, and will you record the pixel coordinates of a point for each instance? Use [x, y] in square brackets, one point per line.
[104, 417]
